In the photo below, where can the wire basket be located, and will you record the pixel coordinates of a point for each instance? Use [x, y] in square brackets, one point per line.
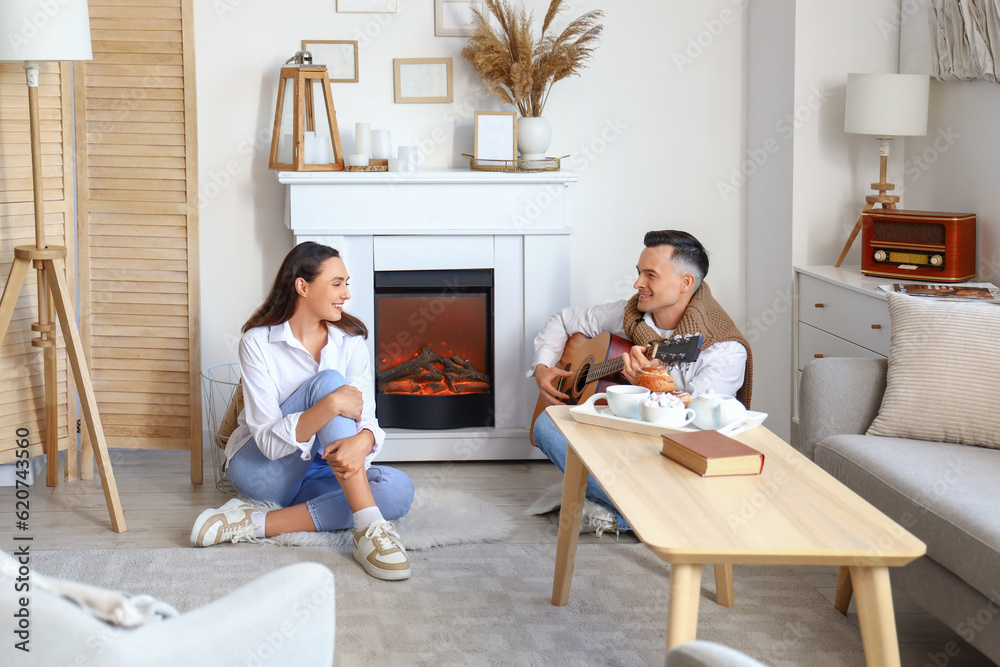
[218, 385]
[541, 164]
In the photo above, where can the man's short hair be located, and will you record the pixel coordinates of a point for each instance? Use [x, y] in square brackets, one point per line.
[689, 254]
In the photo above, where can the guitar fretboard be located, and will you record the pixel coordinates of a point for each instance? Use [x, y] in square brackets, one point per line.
[605, 368]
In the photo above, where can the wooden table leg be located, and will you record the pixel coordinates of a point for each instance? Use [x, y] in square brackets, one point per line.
[724, 595]
[845, 589]
[570, 516]
[682, 616]
[875, 615]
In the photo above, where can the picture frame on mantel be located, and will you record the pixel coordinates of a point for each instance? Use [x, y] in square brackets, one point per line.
[495, 135]
[453, 18]
[338, 55]
[423, 80]
[367, 6]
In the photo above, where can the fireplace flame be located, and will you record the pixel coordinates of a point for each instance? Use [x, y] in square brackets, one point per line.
[430, 374]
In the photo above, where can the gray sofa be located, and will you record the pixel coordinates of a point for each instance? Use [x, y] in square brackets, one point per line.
[948, 495]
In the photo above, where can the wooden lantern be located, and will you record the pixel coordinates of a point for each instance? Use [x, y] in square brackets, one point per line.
[305, 136]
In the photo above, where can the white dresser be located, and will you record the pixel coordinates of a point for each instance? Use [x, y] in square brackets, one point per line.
[841, 313]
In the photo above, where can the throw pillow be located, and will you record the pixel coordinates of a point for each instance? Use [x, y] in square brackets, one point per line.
[943, 382]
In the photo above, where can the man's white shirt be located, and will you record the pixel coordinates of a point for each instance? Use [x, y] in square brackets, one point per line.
[273, 364]
[720, 367]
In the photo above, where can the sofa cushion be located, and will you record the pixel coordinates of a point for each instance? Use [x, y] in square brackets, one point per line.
[944, 494]
[944, 372]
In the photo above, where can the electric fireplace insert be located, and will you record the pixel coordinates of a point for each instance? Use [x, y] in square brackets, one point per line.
[434, 348]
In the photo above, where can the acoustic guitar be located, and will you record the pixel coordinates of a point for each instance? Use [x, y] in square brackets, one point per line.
[597, 363]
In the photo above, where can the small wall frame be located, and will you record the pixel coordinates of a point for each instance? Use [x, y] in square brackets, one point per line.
[339, 56]
[367, 6]
[423, 80]
[496, 135]
[453, 18]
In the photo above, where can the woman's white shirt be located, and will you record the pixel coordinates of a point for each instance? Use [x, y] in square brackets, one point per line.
[273, 364]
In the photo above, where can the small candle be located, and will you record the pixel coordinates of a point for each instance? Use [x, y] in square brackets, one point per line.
[357, 160]
[409, 155]
[381, 144]
[363, 139]
[397, 164]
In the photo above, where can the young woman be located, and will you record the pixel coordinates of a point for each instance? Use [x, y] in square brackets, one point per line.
[307, 434]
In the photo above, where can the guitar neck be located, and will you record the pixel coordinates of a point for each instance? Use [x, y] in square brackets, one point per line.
[605, 368]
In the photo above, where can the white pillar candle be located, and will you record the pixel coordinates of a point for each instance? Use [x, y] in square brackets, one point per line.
[409, 155]
[363, 139]
[397, 164]
[381, 144]
[357, 160]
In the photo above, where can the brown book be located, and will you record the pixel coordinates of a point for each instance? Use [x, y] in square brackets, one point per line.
[710, 454]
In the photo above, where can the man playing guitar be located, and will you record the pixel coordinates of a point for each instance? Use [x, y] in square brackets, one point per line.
[670, 299]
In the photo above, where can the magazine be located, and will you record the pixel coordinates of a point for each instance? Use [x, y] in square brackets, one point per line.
[979, 292]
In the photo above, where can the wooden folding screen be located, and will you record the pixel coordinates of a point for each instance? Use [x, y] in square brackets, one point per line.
[138, 234]
[21, 379]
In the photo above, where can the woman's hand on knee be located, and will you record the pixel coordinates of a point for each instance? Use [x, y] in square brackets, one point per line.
[346, 401]
[347, 455]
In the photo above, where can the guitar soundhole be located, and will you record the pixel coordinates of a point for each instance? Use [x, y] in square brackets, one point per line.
[581, 380]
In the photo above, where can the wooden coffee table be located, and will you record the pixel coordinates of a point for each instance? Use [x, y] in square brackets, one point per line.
[793, 513]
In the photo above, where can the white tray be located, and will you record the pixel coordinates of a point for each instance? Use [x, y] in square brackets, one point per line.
[601, 415]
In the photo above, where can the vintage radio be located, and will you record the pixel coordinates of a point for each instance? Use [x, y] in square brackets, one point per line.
[922, 245]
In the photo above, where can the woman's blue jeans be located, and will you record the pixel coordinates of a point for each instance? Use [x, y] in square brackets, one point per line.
[290, 480]
[553, 444]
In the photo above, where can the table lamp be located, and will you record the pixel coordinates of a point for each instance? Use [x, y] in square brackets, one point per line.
[34, 32]
[885, 106]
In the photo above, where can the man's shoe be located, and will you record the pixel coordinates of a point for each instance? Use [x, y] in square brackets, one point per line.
[598, 518]
[379, 551]
[229, 523]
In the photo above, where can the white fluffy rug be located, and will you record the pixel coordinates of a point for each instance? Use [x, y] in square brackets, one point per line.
[437, 517]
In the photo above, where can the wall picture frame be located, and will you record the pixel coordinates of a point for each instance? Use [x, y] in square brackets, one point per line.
[367, 6]
[339, 55]
[496, 135]
[453, 18]
[423, 80]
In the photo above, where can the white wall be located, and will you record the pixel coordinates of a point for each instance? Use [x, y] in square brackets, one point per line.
[650, 136]
[954, 167]
[833, 170]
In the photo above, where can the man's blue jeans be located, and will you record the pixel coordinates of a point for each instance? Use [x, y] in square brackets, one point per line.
[553, 444]
[290, 480]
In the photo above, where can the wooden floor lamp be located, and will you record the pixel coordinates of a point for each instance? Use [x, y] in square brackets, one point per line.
[887, 106]
[31, 34]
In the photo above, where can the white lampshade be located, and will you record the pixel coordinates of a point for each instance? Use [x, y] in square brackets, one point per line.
[887, 105]
[54, 30]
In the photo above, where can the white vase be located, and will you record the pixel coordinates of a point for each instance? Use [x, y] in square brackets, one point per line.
[534, 134]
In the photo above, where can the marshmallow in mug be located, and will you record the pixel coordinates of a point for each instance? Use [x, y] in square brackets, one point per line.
[663, 400]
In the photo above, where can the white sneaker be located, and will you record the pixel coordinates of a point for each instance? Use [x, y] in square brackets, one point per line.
[598, 518]
[229, 523]
[379, 551]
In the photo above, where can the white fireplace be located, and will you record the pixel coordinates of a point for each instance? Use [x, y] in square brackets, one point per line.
[512, 224]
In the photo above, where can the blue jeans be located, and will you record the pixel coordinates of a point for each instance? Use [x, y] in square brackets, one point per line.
[553, 444]
[290, 480]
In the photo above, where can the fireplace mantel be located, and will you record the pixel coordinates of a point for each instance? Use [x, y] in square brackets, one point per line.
[514, 224]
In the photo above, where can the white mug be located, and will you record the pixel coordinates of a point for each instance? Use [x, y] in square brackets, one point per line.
[668, 417]
[624, 399]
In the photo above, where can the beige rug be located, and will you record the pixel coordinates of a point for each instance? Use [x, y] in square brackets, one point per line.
[488, 604]
[438, 516]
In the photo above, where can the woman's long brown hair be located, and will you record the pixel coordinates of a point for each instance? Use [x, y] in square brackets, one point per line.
[304, 261]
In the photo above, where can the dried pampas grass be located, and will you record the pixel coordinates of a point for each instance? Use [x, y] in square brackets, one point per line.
[519, 70]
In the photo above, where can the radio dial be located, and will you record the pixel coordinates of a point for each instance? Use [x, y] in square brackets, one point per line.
[880, 256]
[937, 260]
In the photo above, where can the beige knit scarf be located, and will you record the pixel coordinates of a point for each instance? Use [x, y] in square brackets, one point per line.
[703, 315]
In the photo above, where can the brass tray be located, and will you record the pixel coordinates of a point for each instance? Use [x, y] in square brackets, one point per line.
[544, 164]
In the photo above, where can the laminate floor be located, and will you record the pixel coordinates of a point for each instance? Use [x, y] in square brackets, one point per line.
[160, 503]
